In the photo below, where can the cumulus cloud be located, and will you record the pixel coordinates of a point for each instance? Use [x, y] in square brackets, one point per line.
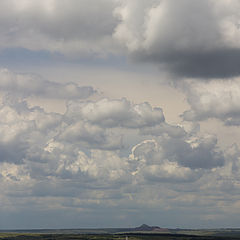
[188, 38]
[89, 128]
[215, 99]
[151, 163]
[80, 160]
[91, 136]
[14, 128]
[199, 153]
[25, 85]
[84, 125]
[195, 152]
[116, 113]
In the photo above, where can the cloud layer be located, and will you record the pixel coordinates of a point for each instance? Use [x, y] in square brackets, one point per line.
[105, 153]
[187, 38]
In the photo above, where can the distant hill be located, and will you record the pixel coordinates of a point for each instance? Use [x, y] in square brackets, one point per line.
[146, 228]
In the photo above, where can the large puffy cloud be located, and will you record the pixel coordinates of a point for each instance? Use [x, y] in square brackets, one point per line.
[188, 38]
[175, 160]
[149, 160]
[215, 99]
[113, 113]
[194, 152]
[85, 124]
[101, 153]
[66, 159]
[91, 136]
[89, 126]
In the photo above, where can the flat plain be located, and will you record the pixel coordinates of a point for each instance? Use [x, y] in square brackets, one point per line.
[110, 234]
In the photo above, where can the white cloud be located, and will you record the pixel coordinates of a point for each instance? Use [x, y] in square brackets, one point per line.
[77, 174]
[116, 113]
[96, 128]
[214, 99]
[173, 160]
[153, 25]
[106, 153]
[91, 136]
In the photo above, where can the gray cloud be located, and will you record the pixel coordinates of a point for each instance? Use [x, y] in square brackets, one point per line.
[60, 162]
[14, 131]
[164, 128]
[174, 153]
[196, 153]
[107, 152]
[214, 99]
[33, 85]
[69, 27]
[187, 38]
[91, 136]
[76, 142]
[215, 63]
[151, 163]
[114, 156]
[116, 113]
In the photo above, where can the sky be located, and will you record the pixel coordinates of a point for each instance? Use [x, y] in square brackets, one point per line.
[115, 113]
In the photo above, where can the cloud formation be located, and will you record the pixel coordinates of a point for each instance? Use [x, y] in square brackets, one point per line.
[114, 113]
[215, 99]
[188, 38]
[106, 153]
[103, 144]
[115, 156]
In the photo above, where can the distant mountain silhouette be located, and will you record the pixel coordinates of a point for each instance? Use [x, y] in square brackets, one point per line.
[145, 228]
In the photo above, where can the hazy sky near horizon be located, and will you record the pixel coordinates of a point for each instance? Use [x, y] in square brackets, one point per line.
[115, 113]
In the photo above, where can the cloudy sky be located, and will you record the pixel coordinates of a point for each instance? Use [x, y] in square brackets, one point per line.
[115, 113]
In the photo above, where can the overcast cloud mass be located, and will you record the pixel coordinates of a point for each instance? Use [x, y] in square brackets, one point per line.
[85, 143]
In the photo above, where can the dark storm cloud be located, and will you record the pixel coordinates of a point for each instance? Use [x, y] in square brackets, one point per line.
[218, 63]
